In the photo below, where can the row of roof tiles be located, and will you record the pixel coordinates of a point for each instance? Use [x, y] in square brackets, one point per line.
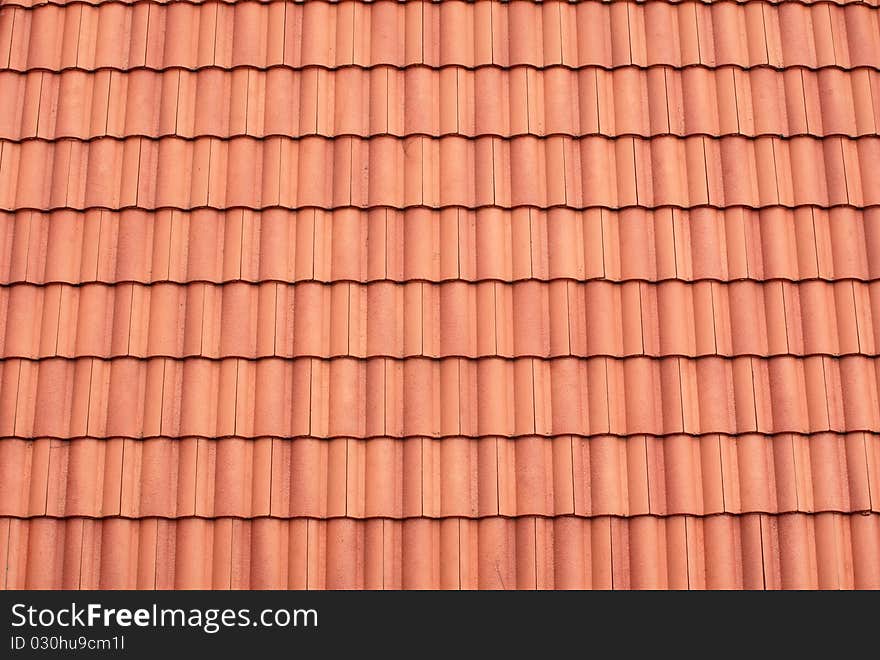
[448, 171]
[438, 478]
[183, 34]
[439, 245]
[421, 101]
[37, 3]
[347, 397]
[453, 319]
[793, 551]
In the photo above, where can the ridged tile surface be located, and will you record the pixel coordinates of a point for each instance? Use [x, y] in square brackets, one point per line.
[440, 294]
[752, 551]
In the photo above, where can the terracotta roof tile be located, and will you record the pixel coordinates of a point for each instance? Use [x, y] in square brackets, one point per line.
[439, 294]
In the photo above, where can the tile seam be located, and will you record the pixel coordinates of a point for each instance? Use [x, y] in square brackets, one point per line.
[687, 554]
[506, 68]
[855, 307]
[6, 565]
[78, 7]
[473, 139]
[763, 555]
[868, 479]
[156, 558]
[525, 516]
[122, 474]
[99, 241]
[441, 137]
[15, 11]
[440, 207]
[39, 105]
[716, 434]
[505, 357]
[366, 283]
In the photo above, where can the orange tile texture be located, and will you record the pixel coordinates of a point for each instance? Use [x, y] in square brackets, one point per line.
[433, 295]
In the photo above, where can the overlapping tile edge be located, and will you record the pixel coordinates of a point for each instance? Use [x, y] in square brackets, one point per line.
[823, 530]
[28, 4]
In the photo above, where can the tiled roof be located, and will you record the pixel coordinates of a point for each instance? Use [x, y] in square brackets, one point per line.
[439, 294]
